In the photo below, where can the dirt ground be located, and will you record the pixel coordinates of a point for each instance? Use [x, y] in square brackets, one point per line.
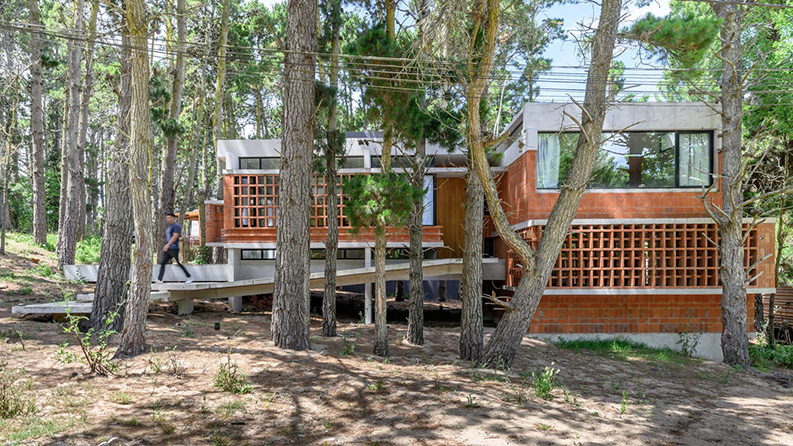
[420, 396]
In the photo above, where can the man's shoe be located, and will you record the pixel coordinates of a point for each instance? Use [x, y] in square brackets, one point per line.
[158, 281]
[189, 280]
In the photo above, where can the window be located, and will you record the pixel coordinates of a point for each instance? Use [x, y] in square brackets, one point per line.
[631, 160]
[257, 254]
[404, 162]
[261, 163]
[349, 254]
[353, 162]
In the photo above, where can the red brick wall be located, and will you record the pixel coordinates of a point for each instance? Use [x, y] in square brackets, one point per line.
[522, 201]
[562, 314]
[214, 222]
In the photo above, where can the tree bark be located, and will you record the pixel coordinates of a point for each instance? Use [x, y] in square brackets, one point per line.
[114, 263]
[537, 267]
[70, 188]
[38, 148]
[331, 199]
[85, 102]
[193, 166]
[471, 325]
[291, 323]
[166, 200]
[133, 336]
[734, 335]
[415, 332]
[217, 117]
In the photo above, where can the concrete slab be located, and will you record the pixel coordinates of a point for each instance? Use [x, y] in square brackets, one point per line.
[157, 296]
[74, 307]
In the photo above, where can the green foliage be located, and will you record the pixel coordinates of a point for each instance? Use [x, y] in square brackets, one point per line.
[544, 381]
[230, 379]
[763, 356]
[65, 356]
[15, 394]
[347, 348]
[688, 342]
[685, 36]
[379, 200]
[88, 249]
[622, 349]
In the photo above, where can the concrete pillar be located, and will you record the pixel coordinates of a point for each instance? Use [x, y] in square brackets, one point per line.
[235, 304]
[185, 306]
[367, 303]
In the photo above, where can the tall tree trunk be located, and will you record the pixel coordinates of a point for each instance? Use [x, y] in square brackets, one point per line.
[203, 191]
[537, 266]
[217, 117]
[415, 332]
[85, 101]
[114, 263]
[70, 192]
[471, 328]
[133, 336]
[734, 335]
[166, 200]
[331, 199]
[291, 323]
[38, 148]
[188, 195]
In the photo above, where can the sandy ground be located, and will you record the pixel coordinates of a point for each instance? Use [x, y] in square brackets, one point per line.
[420, 396]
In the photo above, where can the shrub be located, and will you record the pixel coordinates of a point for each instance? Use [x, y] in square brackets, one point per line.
[88, 249]
[544, 381]
[763, 356]
[94, 344]
[230, 379]
[14, 397]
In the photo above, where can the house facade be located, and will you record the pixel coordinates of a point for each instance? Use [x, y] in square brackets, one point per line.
[640, 260]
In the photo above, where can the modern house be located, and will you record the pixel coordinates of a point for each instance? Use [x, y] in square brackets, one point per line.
[639, 262]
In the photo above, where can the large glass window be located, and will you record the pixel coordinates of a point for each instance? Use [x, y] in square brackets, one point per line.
[630, 160]
[258, 163]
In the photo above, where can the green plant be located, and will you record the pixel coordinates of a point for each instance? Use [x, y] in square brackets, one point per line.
[94, 344]
[227, 410]
[624, 404]
[88, 249]
[361, 318]
[24, 291]
[544, 381]
[623, 349]
[688, 342]
[570, 398]
[376, 387]
[543, 427]
[15, 398]
[230, 379]
[186, 330]
[347, 348]
[471, 403]
[65, 356]
[763, 356]
[121, 398]
[43, 270]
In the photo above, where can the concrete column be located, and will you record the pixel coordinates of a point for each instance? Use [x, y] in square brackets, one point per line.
[235, 304]
[234, 258]
[367, 303]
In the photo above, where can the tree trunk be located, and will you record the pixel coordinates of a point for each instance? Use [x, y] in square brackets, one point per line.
[70, 193]
[166, 200]
[415, 332]
[381, 304]
[537, 267]
[471, 328]
[37, 131]
[331, 199]
[85, 101]
[442, 291]
[217, 117]
[188, 195]
[291, 323]
[114, 263]
[734, 335]
[133, 336]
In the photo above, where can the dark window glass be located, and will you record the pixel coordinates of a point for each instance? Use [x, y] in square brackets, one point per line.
[249, 163]
[351, 254]
[630, 160]
[271, 163]
[353, 162]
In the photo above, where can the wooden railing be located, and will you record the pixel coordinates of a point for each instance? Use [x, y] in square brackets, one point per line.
[671, 255]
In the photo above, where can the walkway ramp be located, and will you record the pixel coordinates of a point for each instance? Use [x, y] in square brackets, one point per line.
[82, 305]
[345, 277]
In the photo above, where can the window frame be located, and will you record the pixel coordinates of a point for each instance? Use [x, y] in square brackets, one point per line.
[712, 161]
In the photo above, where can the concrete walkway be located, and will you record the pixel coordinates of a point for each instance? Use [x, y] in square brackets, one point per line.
[183, 294]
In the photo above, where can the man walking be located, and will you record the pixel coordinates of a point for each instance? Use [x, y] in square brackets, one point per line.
[171, 248]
